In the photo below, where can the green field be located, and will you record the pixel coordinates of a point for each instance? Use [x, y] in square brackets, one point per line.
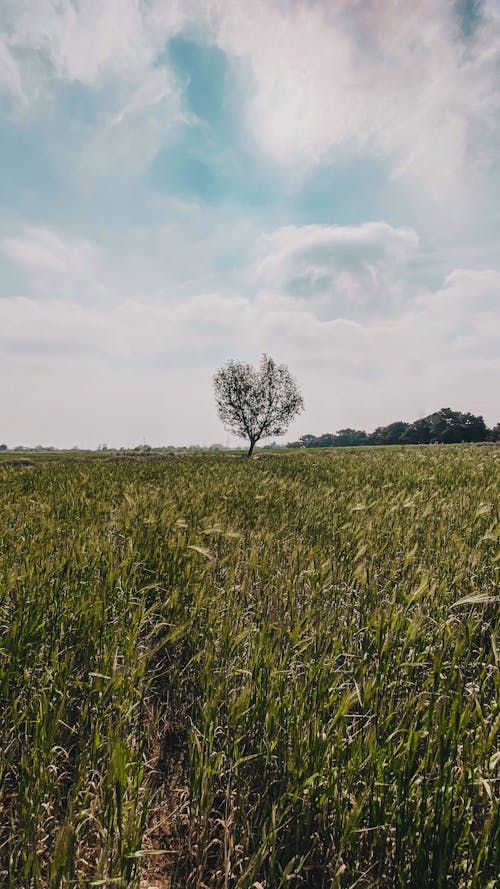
[270, 673]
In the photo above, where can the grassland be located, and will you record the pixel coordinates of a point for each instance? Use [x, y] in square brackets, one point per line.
[227, 673]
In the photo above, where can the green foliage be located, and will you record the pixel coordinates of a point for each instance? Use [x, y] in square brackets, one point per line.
[256, 403]
[442, 427]
[320, 631]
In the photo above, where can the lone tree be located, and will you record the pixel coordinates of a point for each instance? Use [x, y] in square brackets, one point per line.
[256, 403]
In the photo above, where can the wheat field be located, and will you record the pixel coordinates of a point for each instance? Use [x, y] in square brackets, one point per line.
[281, 672]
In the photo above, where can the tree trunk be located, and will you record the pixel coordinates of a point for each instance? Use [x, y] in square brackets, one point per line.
[250, 449]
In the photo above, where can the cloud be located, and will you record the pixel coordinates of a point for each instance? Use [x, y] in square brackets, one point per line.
[380, 77]
[410, 84]
[460, 317]
[150, 261]
[112, 50]
[42, 250]
[50, 265]
[442, 349]
[10, 79]
[91, 40]
[354, 268]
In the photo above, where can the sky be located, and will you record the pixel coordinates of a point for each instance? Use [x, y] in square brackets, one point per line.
[187, 181]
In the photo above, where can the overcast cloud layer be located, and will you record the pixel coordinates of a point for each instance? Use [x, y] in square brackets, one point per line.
[185, 182]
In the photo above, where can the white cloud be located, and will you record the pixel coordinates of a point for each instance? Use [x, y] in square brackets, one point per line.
[88, 41]
[111, 48]
[354, 269]
[150, 261]
[40, 250]
[357, 366]
[10, 79]
[138, 355]
[380, 77]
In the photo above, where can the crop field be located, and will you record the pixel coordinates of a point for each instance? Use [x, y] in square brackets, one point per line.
[281, 672]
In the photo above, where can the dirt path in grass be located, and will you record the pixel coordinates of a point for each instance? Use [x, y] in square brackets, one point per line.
[166, 836]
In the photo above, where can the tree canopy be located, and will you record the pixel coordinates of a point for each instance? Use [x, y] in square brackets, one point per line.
[441, 427]
[255, 403]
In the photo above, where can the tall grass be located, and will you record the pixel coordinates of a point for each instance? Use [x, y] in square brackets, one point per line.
[313, 639]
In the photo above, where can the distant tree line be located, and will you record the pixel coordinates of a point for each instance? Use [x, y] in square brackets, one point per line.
[442, 427]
